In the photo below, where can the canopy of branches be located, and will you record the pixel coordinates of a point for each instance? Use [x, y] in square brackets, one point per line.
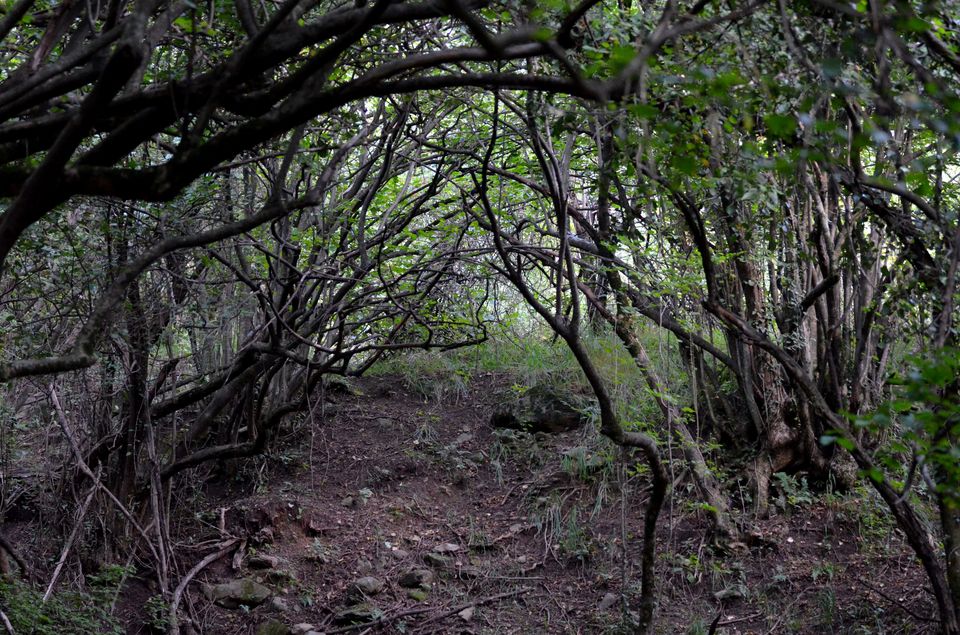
[209, 208]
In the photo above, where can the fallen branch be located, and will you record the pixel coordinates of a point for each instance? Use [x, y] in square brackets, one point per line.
[6, 623]
[6, 546]
[197, 568]
[380, 620]
[487, 600]
[895, 602]
[69, 543]
[385, 619]
[717, 622]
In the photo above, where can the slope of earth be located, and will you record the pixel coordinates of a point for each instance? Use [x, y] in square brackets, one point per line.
[385, 512]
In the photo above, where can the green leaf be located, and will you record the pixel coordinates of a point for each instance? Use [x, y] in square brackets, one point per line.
[780, 126]
[915, 25]
[620, 57]
[643, 111]
[542, 34]
[902, 405]
[686, 164]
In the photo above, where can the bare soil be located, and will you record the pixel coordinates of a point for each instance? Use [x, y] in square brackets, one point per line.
[370, 484]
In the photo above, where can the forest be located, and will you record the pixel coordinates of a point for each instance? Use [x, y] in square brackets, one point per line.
[479, 316]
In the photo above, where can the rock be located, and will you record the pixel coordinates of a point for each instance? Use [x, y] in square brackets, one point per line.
[236, 593]
[509, 436]
[380, 475]
[365, 567]
[349, 502]
[263, 561]
[301, 629]
[447, 547]
[467, 614]
[280, 604]
[272, 627]
[460, 440]
[368, 585]
[419, 595]
[734, 592]
[608, 601]
[357, 614]
[400, 554]
[542, 409]
[436, 561]
[416, 578]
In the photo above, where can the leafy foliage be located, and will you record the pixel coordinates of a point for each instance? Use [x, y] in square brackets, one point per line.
[924, 422]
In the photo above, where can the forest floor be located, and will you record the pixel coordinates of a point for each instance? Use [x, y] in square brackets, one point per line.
[450, 526]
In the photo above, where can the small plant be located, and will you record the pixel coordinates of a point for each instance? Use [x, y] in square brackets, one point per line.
[517, 445]
[824, 570]
[827, 603]
[690, 567]
[306, 598]
[565, 532]
[477, 538]
[779, 576]
[426, 434]
[719, 573]
[158, 614]
[792, 493]
[874, 526]
[518, 390]
[575, 542]
[585, 464]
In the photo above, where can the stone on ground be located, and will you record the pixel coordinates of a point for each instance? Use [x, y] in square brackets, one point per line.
[237, 593]
[416, 578]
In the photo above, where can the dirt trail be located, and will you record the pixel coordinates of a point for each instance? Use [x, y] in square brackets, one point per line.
[447, 526]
